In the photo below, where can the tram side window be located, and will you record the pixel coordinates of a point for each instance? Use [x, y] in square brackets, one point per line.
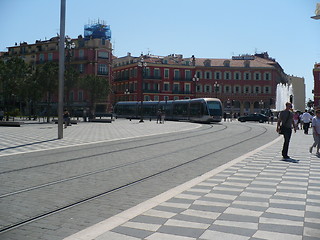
[196, 109]
[180, 109]
[149, 110]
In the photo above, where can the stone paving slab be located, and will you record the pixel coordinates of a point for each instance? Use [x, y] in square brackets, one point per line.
[38, 137]
[257, 196]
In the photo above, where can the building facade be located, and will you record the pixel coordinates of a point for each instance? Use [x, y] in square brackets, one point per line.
[244, 84]
[88, 54]
[299, 92]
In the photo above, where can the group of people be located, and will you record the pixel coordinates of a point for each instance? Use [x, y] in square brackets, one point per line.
[288, 120]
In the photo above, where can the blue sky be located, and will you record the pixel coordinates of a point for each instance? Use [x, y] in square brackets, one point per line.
[204, 28]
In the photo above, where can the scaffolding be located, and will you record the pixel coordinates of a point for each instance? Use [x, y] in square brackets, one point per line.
[97, 30]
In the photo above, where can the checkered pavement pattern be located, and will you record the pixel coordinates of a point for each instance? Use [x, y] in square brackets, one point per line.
[260, 197]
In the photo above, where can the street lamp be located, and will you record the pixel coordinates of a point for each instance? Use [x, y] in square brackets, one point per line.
[216, 86]
[142, 64]
[261, 105]
[126, 92]
[195, 79]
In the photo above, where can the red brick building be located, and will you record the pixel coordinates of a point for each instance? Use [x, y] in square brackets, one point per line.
[243, 83]
[91, 54]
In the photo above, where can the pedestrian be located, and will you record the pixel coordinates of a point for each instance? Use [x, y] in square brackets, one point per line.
[306, 118]
[163, 115]
[66, 118]
[1, 114]
[296, 119]
[224, 116]
[285, 123]
[316, 132]
[159, 115]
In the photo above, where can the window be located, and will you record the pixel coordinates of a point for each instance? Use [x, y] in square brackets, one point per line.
[50, 56]
[187, 74]
[166, 73]
[80, 96]
[267, 76]
[237, 76]
[187, 88]
[146, 98]
[41, 57]
[104, 55]
[199, 74]
[166, 86]
[207, 75]
[176, 87]
[237, 89]
[257, 76]
[227, 89]
[227, 75]
[207, 88]
[217, 75]
[247, 89]
[176, 74]
[71, 96]
[156, 73]
[147, 72]
[267, 89]
[257, 89]
[102, 69]
[247, 76]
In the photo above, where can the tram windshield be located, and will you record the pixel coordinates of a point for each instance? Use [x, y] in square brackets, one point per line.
[214, 108]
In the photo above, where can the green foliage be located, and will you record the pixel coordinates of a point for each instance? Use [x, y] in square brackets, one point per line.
[97, 87]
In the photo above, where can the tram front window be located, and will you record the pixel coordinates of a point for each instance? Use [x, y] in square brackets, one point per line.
[214, 108]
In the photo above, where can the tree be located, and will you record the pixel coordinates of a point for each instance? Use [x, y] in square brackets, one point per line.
[13, 74]
[47, 78]
[71, 78]
[97, 88]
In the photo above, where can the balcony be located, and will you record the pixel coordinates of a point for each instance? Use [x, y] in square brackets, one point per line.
[181, 92]
[152, 78]
[186, 79]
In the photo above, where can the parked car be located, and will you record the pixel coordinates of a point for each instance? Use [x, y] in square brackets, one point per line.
[256, 117]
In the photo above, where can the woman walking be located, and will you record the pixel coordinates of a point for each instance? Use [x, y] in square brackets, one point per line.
[316, 132]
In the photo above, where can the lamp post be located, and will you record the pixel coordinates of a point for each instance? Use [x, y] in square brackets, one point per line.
[61, 67]
[142, 64]
[216, 86]
[195, 79]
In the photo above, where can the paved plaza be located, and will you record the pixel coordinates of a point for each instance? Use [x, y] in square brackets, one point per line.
[34, 136]
[255, 196]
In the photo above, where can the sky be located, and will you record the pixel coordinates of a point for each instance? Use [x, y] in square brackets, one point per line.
[203, 28]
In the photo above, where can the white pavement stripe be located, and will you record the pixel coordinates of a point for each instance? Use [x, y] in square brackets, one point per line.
[275, 236]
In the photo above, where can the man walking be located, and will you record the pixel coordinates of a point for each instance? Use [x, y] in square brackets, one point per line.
[285, 120]
[306, 118]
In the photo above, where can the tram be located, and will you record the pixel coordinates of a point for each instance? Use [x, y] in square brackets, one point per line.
[195, 110]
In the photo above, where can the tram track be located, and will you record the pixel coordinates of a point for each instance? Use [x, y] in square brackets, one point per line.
[114, 151]
[95, 196]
